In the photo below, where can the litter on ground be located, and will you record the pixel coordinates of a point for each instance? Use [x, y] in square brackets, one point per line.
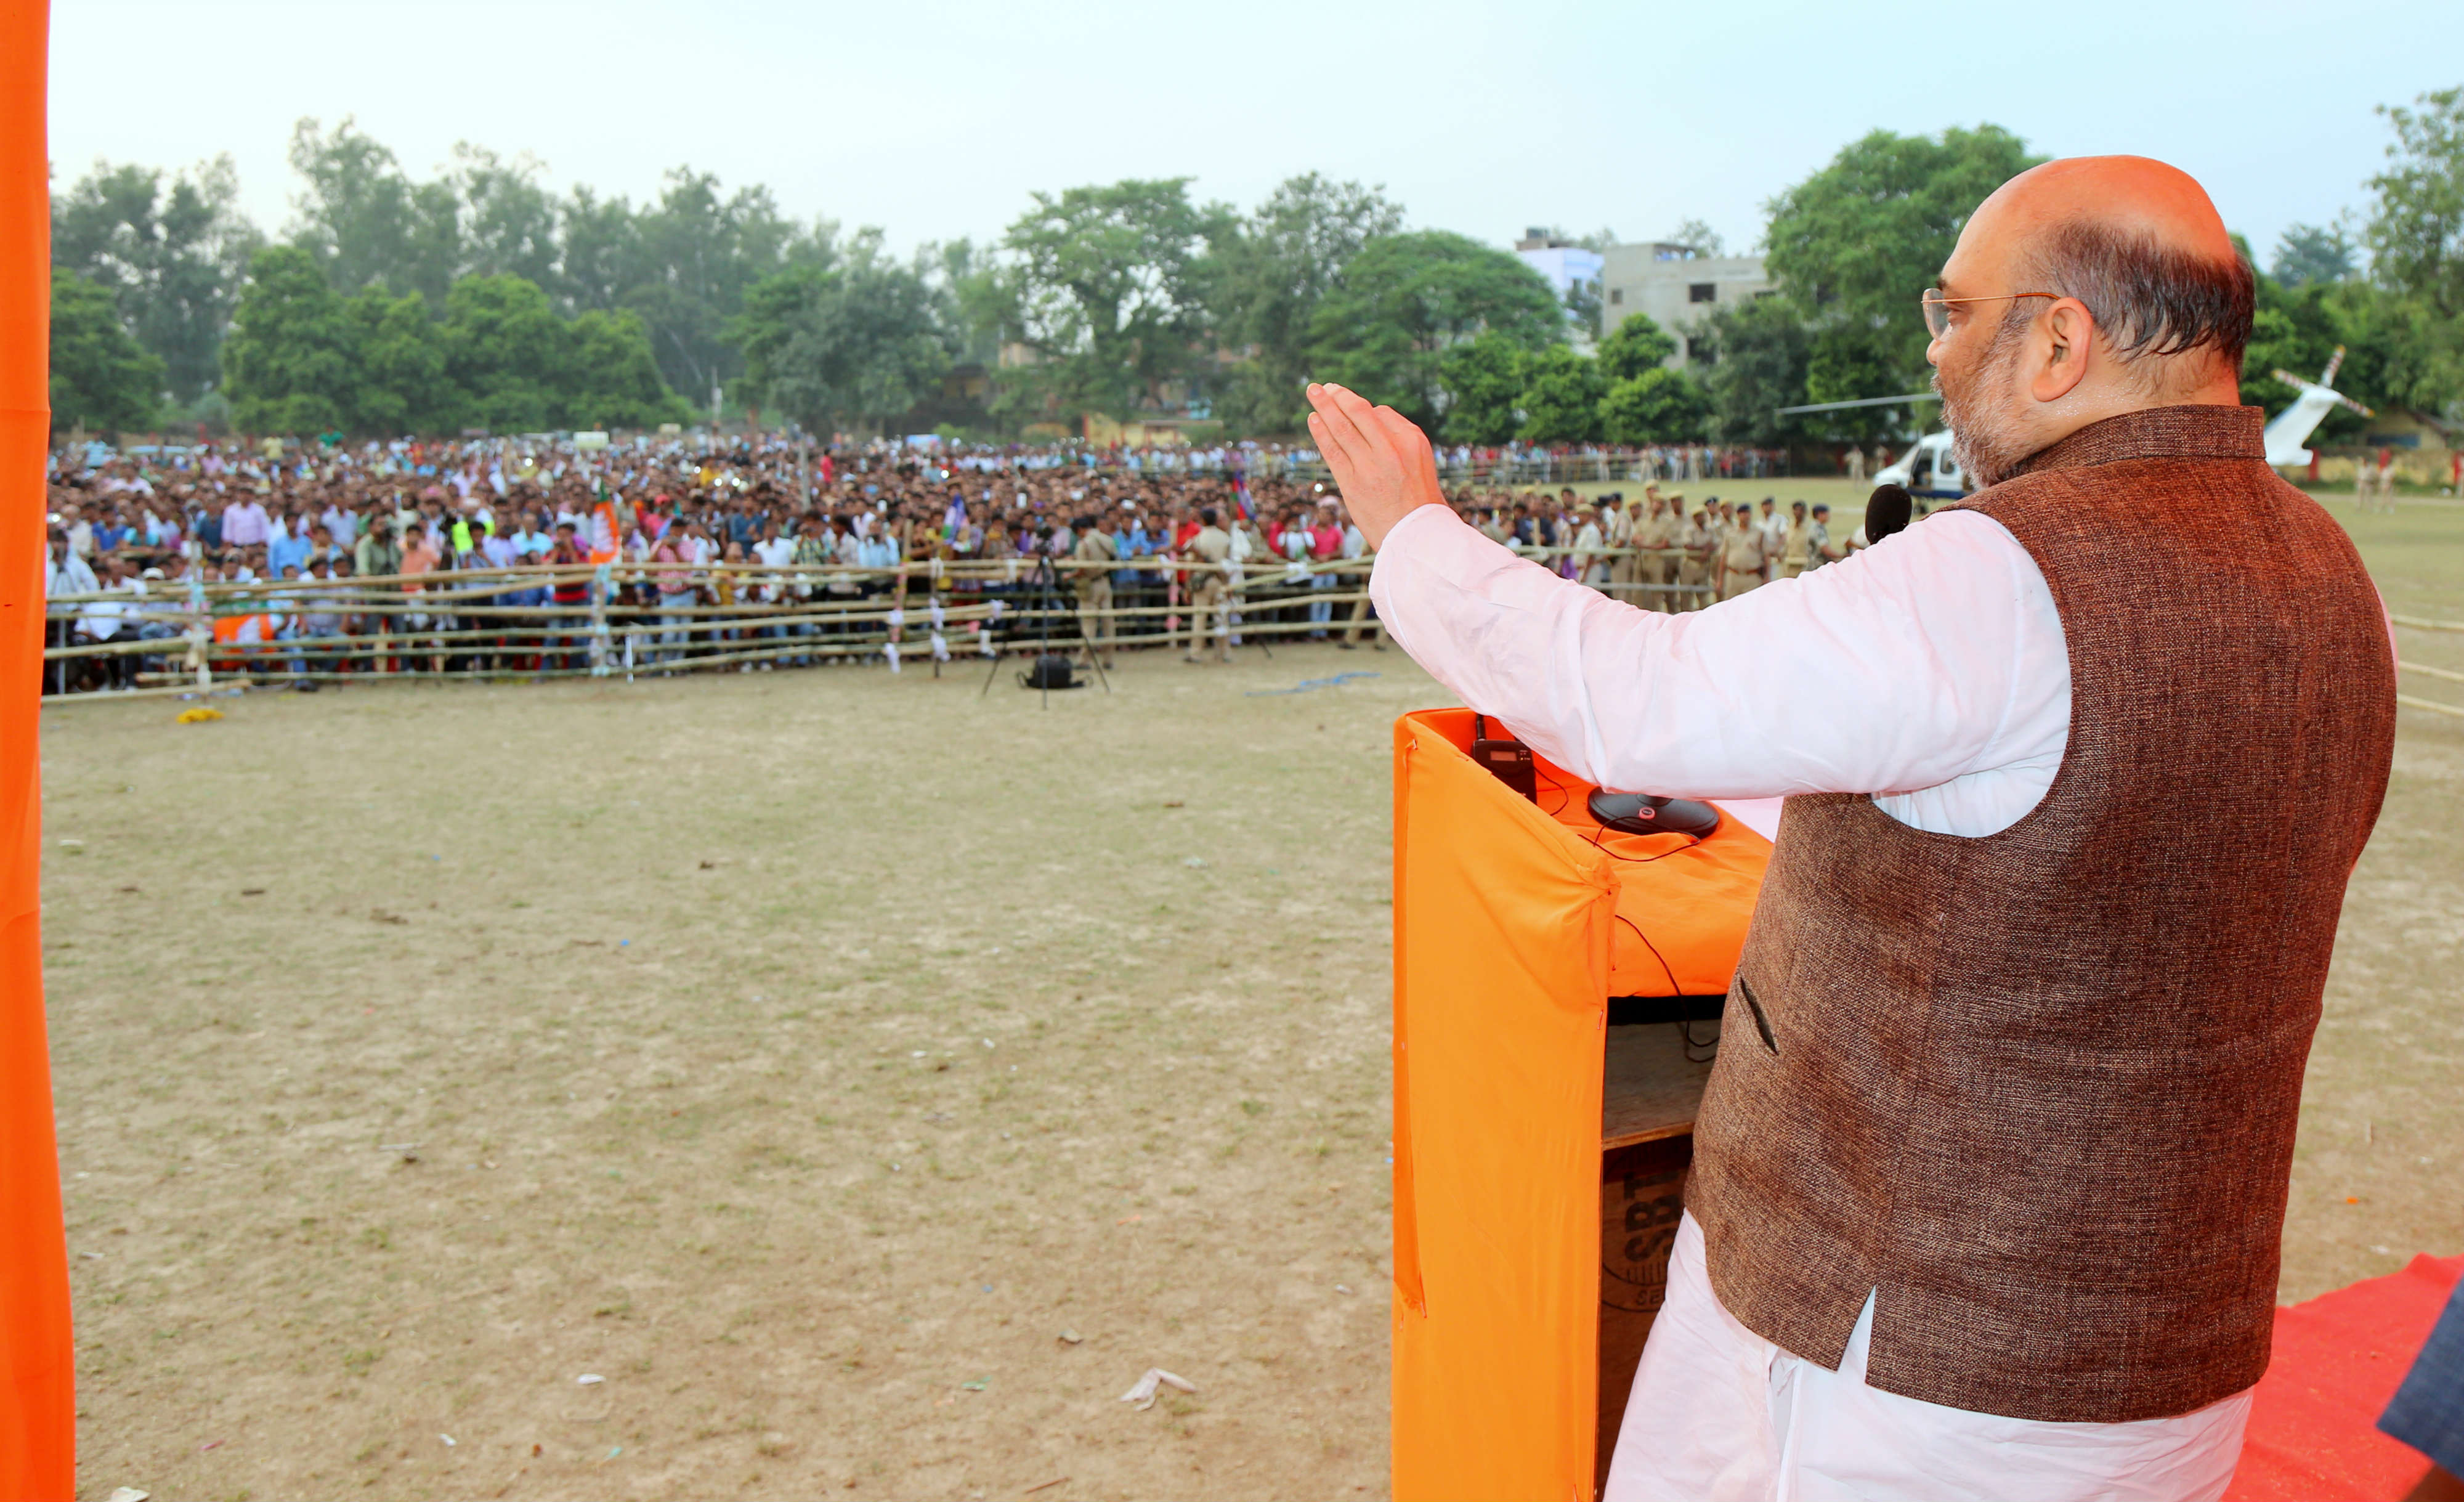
[1144, 1393]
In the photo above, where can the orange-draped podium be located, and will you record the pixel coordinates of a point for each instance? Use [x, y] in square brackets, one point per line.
[38, 1417]
[1515, 922]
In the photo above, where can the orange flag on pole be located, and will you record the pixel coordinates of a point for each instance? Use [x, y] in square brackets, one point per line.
[37, 1374]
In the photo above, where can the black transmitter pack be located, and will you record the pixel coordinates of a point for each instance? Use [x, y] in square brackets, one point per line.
[1508, 760]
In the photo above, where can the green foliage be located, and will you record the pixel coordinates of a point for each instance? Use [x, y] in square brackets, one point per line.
[1110, 291]
[397, 354]
[1561, 397]
[2416, 231]
[1633, 346]
[1760, 349]
[1483, 383]
[1657, 406]
[1700, 237]
[1854, 244]
[682, 262]
[172, 255]
[505, 352]
[1405, 299]
[849, 346]
[2306, 254]
[685, 263]
[612, 379]
[303, 358]
[2414, 336]
[292, 358]
[1268, 276]
[364, 222]
[101, 377]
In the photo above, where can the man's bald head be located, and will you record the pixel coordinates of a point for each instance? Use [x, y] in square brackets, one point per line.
[2080, 290]
[2138, 241]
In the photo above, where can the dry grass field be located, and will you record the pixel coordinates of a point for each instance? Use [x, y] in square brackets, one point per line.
[866, 1080]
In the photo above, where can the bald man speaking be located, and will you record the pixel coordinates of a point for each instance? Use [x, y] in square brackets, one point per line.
[1989, 1177]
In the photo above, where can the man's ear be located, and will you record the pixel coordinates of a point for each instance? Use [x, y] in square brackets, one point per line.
[2064, 342]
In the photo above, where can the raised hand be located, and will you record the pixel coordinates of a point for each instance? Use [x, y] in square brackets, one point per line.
[1380, 460]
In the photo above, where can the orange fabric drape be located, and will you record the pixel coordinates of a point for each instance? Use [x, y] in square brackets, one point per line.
[1500, 973]
[1507, 944]
[38, 1396]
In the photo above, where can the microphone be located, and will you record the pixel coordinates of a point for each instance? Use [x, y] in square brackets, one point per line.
[1886, 511]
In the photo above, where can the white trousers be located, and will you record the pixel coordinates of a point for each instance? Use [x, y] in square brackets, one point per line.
[1719, 1414]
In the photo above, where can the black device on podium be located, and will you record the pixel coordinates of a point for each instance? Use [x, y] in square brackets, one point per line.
[1506, 758]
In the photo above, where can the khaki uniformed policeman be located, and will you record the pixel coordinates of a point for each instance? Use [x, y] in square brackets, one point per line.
[1797, 551]
[1096, 545]
[1656, 537]
[1742, 556]
[1209, 599]
[1697, 546]
[1616, 532]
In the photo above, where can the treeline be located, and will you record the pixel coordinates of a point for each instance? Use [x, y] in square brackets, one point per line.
[478, 298]
[1852, 245]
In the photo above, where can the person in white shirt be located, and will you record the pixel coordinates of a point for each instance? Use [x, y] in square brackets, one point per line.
[245, 522]
[1590, 568]
[1930, 672]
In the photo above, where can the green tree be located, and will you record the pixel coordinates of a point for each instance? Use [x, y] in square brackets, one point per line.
[1405, 299]
[2416, 227]
[1561, 397]
[507, 353]
[172, 253]
[366, 223]
[1854, 244]
[850, 345]
[1483, 385]
[1699, 238]
[1760, 350]
[1271, 273]
[599, 247]
[1633, 346]
[291, 365]
[689, 260]
[2306, 252]
[612, 377]
[2409, 343]
[509, 222]
[1111, 283]
[101, 377]
[399, 384]
[1656, 405]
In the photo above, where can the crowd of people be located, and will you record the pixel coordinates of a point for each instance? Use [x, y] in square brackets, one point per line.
[409, 558]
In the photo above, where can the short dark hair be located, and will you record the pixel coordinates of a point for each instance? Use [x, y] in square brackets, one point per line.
[2148, 297]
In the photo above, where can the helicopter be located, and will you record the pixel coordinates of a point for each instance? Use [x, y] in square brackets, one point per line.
[1930, 467]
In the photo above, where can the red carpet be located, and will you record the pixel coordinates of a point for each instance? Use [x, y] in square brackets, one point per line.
[2314, 1424]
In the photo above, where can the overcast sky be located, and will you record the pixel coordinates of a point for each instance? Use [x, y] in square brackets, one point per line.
[936, 119]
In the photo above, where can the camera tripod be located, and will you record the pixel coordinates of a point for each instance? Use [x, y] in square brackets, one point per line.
[1048, 589]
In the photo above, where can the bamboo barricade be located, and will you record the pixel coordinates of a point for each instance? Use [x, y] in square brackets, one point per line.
[2434, 706]
[483, 623]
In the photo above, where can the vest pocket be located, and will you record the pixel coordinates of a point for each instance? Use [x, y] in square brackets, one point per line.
[1762, 1024]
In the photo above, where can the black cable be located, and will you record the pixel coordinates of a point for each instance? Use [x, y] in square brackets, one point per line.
[1673, 987]
[1641, 860]
[1711, 1049]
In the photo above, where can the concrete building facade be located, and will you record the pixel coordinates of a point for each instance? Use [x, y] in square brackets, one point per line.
[1679, 289]
[1561, 260]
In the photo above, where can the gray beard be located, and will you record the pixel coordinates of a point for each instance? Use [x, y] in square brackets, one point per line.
[1987, 443]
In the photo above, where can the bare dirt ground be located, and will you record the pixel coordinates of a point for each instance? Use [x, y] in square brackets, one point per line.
[804, 1053]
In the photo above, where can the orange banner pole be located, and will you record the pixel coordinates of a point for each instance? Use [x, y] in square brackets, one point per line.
[38, 1356]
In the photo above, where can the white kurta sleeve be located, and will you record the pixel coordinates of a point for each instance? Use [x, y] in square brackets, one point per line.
[1933, 658]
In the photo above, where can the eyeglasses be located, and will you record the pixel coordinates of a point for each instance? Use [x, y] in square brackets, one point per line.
[1937, 307]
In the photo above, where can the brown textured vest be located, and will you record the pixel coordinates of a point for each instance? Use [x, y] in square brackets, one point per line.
[2037, 1090]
